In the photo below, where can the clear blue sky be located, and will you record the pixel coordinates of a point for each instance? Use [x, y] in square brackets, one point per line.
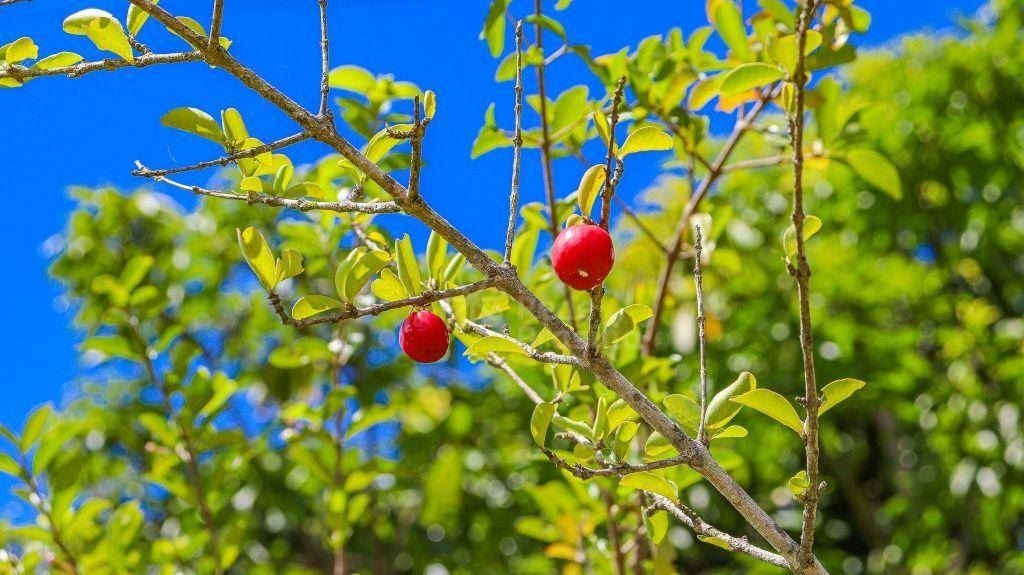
[88, 131]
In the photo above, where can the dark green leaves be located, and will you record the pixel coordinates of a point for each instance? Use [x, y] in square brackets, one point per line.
[102, 29]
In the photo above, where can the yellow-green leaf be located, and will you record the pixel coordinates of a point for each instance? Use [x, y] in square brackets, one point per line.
[812, 224]
[194, 121]
[720, 409]
[773, 405]
[312, 305]
[685, 411]
[877, 170]
[260, 258]
[102, 29]
[137, 17]
[429, 104]
[408, 267]
[838, 391]
[647, 138]
[648, 481]
[704, 91]
[590, 187]
[352, 79]
[365, 267]
[21, 49]
[728, 21]
[388, 287]
[749, 76]
[58, 60]
[798, 484]
[493, 343]
[540, 421]
[623, 322]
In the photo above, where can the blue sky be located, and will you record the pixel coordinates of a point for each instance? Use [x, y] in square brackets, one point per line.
[89, 131]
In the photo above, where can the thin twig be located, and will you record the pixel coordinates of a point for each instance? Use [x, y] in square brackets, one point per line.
[300, 205]
[703, 529]
[44, 507]
[616, 470]
[325, 66]
[769, 162]
[517, 147]
[802, 273]
[21, 73]
[545, 148]
[497, 361]
[528, 350]
[416, 145]
[215, 23]
[425, 298]
[702, 335]
[715, 170]
[225, 160]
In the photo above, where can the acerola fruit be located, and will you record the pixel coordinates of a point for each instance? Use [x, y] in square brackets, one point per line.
[424, 337]
[583, 255]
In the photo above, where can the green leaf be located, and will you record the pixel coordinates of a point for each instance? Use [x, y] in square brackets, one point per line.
[494, 27]
[524, 247]
[102, 29]
[543, 337]
[812, 224]
[223, 388]
[773, 405]
[623, 322]
[648, 481]
[798, 484]
[365, 419]
[837, 391]
[388, 287]
[34, 426]
[312, 305]
[251, 184]
[590, 187]
[381, 143]
[21, 49]
[731, 432]
[257, 254]
[193, 25]
[137, 17]
[646, 139]
[363, 268]
[704, 91]
[493, 343]
[548, 23]
[658, 526]
[234, 126]
[352, 79]
[877, 170]
[9, 466]
[728, 22]
[602, 126]
[784, 49]
[540, 421]
[408, 267]
[342, 271]
[194, 121]
[429, 104]
[657, 445]
[685, 411]
[135, 271]
[720, 409]
[58, 60]
[780, 11]
[749, 76]
[437, 250]
[619, 412]
[289, 265]
[716, 541]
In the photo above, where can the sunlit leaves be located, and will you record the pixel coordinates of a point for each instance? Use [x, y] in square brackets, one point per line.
[490, 137]
[352, 79]
[408, 267]
[720, 409]
[773, 405]
[540, 420]
[194, 121]
[356, 269]
[645, 139]
[21, 49]
[58, 60]
[429, 104]
[684, 410]
[196, 27]
[728, 22]
[812, 224]
[102, 29]
[495, 344]
[838, 391]
[311, 305]
[749, 76]
[623, 322]
[137, 17]
[798, 484]
[590, 187]
[651, 482]
[783, 49]
[389, 287]
[877, 170]
[494, 27]
[258, 255]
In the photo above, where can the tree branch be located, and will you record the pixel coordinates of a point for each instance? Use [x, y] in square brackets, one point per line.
[517, 147]
[802, 274]
[300, 205]
[22, 74]
[703, 529]
[528, 350]
[225, 160]
[215, 22]
[616, 470]
[325, 67]
[425, 298]
[497, 361]
[702, 336]
[715, 170]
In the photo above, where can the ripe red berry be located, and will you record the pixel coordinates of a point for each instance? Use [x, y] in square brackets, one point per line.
[583, 255]
[424, 337]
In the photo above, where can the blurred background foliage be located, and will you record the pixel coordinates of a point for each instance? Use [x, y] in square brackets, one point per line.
[919, 293]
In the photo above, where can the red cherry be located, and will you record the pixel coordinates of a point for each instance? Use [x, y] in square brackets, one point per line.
[583, 255]
[424, 337]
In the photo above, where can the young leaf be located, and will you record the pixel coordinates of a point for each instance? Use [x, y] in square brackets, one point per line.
[381, 143]
[289, 265]
[658, 526]
[731, 432]
[437, 250]
[798, 484]
[137, 17]
[838, 391]
[812, 224]
[257, 253]
[194, 121]
[773, 405]
[492, 343]
[21, 49]
[685, 411]
[590, 186]
[540, 421]
[312, 305]
[234, 126]
[408, 267]
[749, 76]
[341, 273]
[728, 22]
[646, 139]
[365, 267]
[102, 29]
[704, 91]
[352, 79]
[720, 409]
[877, 170]
[494, 27]
[648, 481]
[251, 185]
[429, 104]
[58, 60]
[623, 322]
[9, 466]
[604, 130]
[34, 426]
[388, 287]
